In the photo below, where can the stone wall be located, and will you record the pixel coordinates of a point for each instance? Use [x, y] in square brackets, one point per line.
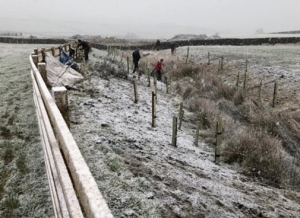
[31, 41]
[234, 42]
[167, 45]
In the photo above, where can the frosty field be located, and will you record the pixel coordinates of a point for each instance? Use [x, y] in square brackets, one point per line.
[24, 190]
[137, 170]
[140, 173]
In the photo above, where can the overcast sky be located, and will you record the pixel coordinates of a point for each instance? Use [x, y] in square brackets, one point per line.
[149, 19]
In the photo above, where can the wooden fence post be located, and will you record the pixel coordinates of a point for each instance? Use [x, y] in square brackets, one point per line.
[218, 141]
[148, 74]
[35, 59]
[60, 96]
[43, 55]
[245, 84]
[275, 93]
[259, 91]
[197, 134]
[174, 132]
[155, 86]
[187, 55]
[131, 63]
[136, 97]
[127, 65]
[36, 51]
[208, 57]
[222, 60]
[153, 108]
[43, 72]
[53, 51]
[167, 88]
[180, 115]
[237, 80]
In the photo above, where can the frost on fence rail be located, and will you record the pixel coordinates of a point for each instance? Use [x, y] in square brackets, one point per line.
[86, 188]
[63, 195]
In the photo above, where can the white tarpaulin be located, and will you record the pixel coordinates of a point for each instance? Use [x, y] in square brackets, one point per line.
[59, 74]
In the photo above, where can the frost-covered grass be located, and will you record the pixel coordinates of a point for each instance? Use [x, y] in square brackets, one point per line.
[24, 188]
[138, 171]
[129, 158]
[262, 138]
[258, 36]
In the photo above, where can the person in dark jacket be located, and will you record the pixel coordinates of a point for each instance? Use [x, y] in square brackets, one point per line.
[136, 57]
[85, 46]
[173, 47]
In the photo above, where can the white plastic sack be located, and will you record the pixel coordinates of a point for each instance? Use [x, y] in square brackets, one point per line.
[59, 74]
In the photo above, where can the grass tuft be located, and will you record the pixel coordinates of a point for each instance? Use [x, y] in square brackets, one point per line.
[9, 204]
[8, 156]
[115, 164]
[259, 153]
[22, 164]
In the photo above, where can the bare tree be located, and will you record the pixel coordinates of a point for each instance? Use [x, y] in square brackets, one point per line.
[260, 31]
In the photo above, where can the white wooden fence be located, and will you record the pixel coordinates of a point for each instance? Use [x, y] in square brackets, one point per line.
[74, 191]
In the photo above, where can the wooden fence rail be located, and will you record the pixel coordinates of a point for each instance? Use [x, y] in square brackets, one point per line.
[74, 191]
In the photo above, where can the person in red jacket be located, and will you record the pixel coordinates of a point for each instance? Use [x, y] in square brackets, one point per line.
[158, 69]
